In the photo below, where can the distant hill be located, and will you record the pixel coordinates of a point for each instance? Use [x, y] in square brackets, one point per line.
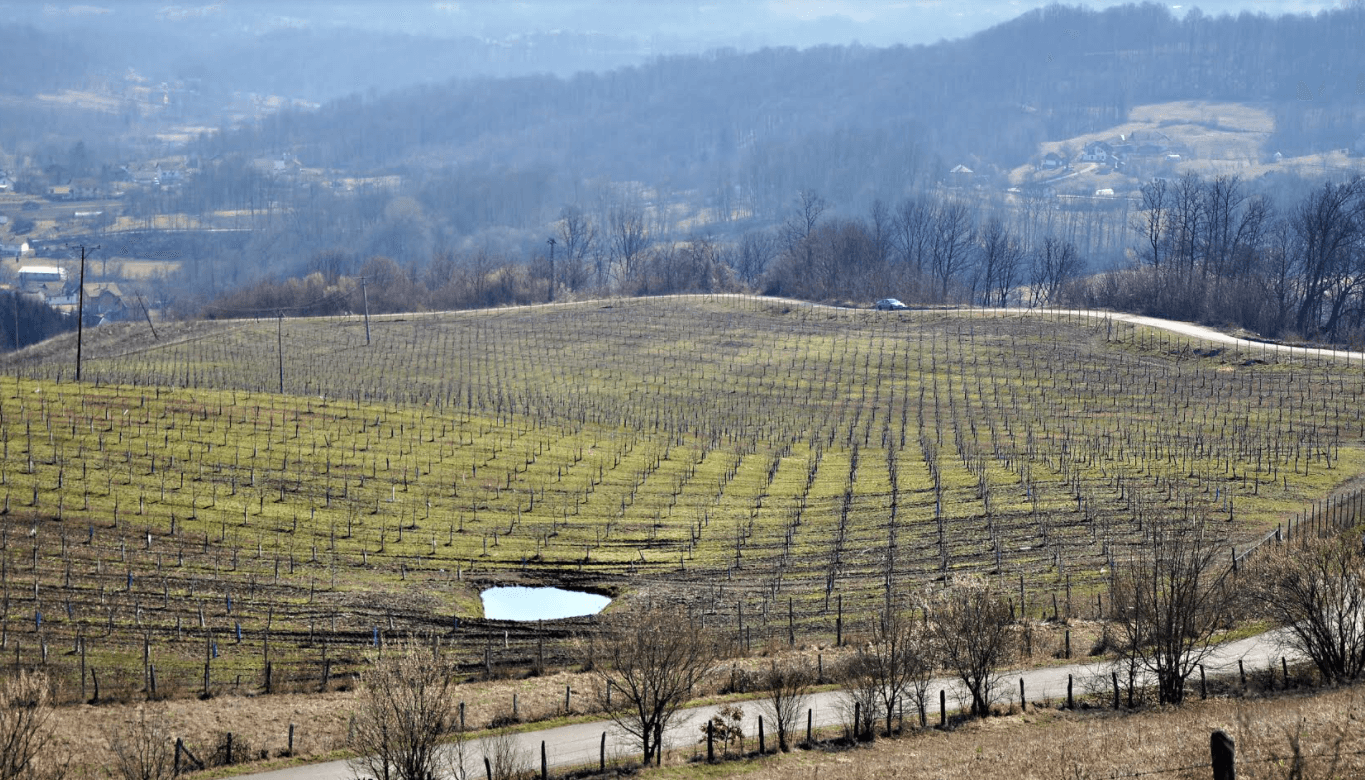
[854, 121]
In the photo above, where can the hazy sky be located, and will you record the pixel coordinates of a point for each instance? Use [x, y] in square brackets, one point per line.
[670, 24]
[756, 22]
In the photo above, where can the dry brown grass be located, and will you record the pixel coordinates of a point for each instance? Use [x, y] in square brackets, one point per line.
[1159, 744]
[320, 719]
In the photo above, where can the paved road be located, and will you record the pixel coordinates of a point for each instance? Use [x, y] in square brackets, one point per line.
[579, 744]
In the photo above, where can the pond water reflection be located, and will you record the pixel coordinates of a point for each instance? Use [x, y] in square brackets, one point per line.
[518, 603]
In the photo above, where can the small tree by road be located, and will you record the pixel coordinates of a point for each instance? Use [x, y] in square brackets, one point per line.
[1317, 592]
[647, 666]
[787, 685]
[405, 706]
[892, 668]
[971, 626]
[1168, 603]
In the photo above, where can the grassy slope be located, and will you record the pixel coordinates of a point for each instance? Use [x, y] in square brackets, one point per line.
[711, 452]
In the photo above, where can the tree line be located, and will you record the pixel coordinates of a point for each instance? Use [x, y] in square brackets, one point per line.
[1213, 250]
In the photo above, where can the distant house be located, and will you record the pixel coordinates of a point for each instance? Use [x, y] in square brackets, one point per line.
[42, 279]
[1096, 151]
[102, 300]
[39, 274]
[1106, 192]
[59, 192]
[86, 189]
[15, 250]
[1053, 161]
[961, 170]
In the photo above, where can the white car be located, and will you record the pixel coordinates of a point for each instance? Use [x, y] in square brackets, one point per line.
[889, 304]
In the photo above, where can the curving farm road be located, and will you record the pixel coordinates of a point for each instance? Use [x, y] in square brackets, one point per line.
[579, 744]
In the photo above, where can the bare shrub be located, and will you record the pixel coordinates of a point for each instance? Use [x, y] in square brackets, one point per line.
[404, 707]
[142, 750]
[27, 747]
[1317, 592]
[504, 756]
[788, 686]
[971, 626]
[1169, 602]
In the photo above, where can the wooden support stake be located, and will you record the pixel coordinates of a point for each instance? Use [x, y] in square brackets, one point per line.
[1223, 752]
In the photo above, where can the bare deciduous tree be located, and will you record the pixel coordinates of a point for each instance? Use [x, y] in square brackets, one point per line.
[629, 240]
[1000, 258]
[1169, 602]
[950, 240]
[787, 685]
[756, 250]
[971, 626]
[1318, 594]
[1052, 264]
[27, 746]
[578, 238]
[892, 668]
[404, 708]
[651, 666]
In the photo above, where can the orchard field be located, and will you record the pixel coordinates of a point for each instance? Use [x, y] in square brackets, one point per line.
[175, 523]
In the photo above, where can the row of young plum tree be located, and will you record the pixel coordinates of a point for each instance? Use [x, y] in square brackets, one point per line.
[1212, 250]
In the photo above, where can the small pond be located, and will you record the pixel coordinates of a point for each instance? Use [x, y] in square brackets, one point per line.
[539, 603]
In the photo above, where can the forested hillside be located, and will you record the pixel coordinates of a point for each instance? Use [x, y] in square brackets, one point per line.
[851, 122]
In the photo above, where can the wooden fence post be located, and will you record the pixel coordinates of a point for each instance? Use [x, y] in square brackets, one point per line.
[710, 741]
[942, 708]
[1224, 755]
[544, 763]
[761, 746]
[602, 755]
[1070, 702]
[1023, 703]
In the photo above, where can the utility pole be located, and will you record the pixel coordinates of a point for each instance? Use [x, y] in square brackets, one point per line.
[16, 320]
[551, 242]
[80, 313]
[366, 296]
[279, 342]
